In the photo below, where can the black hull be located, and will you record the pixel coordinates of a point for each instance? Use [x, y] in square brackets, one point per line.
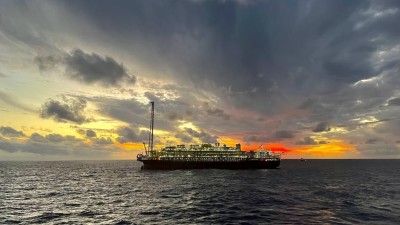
[179, 165]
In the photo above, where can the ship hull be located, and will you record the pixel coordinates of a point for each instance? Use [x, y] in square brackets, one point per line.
[179, 165]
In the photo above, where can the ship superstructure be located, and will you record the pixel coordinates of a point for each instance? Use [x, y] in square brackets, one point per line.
[202, 156]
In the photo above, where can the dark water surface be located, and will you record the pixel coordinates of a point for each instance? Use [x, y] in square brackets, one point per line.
[118, 192]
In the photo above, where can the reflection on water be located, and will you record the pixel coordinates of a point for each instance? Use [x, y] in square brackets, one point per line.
[118, 192]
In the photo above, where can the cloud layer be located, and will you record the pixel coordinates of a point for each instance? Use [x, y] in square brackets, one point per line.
[87, 68]
[307, 74]
[10, 132]
[67, 110]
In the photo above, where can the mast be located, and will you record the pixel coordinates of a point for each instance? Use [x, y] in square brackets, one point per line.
[151, 134]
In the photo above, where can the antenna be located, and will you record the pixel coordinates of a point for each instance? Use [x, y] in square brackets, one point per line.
[145, 150]
[151, 134]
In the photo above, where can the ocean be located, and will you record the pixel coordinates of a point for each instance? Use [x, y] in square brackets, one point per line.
[118, 192]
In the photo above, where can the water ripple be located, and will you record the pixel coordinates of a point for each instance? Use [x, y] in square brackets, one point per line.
[118, 192]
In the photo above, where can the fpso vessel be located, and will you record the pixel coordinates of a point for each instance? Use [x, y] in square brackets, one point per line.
[205, 156]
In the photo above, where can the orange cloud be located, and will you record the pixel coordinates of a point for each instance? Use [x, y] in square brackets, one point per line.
[332, 149]
[130, 146]
[273, 146]
[130, 150]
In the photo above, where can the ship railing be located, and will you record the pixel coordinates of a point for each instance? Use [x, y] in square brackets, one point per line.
[201, 149]
[202, 159]
[143, 157]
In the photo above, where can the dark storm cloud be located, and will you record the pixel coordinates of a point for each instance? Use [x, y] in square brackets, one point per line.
[282, 134]
[322, 127]
[186, 138]
[337, 61]
[81, 131]
[394, 102]
[128, 110]
[322, 108]
[10, 132]
[308, 141]
[56, 145]
[91, 68]
[173, 116]
[127, 134]
[256, 138]
[90, 133]
[70, 110]
[372, 140]
[181, 112]
[169, 113]
[380, 149]
[49, 62]
[215, 112]
[54, 138]
[88, 68]
[261, 52]
[308, 104]
[202, 135]
[36, 137]
[265, 55]
[136, 113]
[7, 146]
[102, 141]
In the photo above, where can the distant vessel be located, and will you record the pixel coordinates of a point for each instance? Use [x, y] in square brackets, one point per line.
[303, 160]
[205, 156]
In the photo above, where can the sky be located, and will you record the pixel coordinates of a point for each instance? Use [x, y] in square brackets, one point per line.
[309, 78]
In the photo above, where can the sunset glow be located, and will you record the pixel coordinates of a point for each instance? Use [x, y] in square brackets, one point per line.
[76, 80]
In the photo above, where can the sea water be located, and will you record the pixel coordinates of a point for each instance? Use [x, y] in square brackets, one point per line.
[118, 192]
